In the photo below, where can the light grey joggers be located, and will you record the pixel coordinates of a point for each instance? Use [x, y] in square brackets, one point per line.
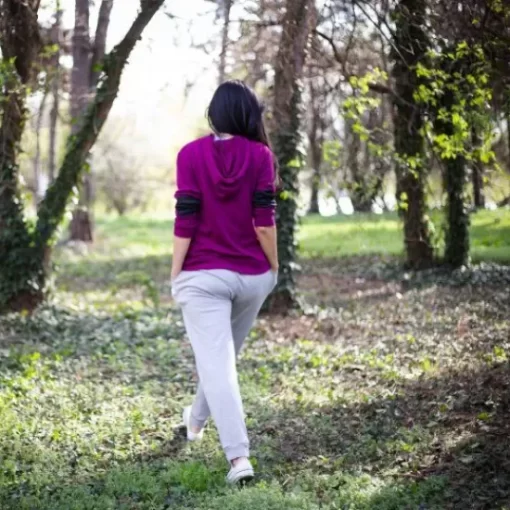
[219, 309]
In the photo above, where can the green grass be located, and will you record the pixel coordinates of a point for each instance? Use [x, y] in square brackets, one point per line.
[336, 236]
[376, 402]
[382, 235]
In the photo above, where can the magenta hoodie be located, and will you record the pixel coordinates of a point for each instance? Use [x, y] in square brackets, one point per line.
[224, 189]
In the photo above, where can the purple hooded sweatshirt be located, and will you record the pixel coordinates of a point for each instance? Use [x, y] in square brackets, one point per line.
[225, 188]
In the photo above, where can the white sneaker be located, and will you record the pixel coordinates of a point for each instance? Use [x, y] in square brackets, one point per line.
[186, 418]
[241, 472]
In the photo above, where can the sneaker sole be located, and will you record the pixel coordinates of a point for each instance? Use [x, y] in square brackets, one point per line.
[242, 477]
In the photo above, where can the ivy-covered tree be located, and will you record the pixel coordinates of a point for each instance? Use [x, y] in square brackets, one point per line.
[287, 140]
[410, 46]
[456, 96]
[25, 247]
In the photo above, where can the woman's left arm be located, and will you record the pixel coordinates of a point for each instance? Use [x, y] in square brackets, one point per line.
[188, 208]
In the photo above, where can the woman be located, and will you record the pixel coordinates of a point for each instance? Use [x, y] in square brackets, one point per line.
[225, 260]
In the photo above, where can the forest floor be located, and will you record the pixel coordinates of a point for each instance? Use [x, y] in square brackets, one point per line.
[391, 391]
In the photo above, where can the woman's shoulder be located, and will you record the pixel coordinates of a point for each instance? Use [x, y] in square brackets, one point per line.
[191, 147]
[260, 150]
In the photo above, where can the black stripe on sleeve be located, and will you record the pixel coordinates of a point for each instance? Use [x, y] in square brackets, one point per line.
[187, 205]
[264, 199]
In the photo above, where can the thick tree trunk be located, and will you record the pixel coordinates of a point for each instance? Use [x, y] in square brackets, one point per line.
[296, 28]
[20, 43]
[55, 92]
[25, 256]
[410, 46]
[226, 7]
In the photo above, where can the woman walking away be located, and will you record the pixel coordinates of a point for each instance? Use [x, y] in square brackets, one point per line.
[225, 261]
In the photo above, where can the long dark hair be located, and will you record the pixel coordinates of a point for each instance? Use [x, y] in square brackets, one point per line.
[236, 110]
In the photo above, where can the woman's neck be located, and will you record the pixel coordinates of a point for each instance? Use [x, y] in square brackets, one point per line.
[223, 136]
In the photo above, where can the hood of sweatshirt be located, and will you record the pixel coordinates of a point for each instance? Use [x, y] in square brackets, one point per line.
[227, 160]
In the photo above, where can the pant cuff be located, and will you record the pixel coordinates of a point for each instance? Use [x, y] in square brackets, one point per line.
[237, 451]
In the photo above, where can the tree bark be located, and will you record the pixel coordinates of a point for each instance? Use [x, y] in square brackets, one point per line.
[81, 64]
[55, 92]
[25, 255]
[316, 141]
[99, 47]
[409, 48]
[287, 114]
[457, 231]
[81, 225]
[226, 8]
[20, 43]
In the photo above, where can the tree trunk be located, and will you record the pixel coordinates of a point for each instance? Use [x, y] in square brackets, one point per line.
[55, 92]
[287, 114]
[477, 176]
[358, 192]
[454, 176]
[313, 208]
[81, 64]
[25, 255]
[457, 232]
[87, 64]
[226, 6]
[19, 43]
[410, 46]
[316, 141]
[80, 227]
[99, 49]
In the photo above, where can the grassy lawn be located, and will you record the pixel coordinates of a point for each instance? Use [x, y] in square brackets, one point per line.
[388, 397]
[319, 237]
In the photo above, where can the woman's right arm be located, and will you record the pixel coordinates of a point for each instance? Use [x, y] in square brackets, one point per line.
[268, 241]
[264, 209]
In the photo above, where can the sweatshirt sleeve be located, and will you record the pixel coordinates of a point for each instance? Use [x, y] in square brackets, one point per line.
[188, 198]
[264, 198]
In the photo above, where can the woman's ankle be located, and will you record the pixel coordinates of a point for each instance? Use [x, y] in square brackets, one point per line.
[234, 462]
[195, 429]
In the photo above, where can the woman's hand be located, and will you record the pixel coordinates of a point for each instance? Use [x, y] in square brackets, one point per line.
[181, 247]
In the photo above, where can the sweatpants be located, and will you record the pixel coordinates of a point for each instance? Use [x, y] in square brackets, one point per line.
[219, 309]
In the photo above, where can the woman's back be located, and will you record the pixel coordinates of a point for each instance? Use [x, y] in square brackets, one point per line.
[225, 189]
